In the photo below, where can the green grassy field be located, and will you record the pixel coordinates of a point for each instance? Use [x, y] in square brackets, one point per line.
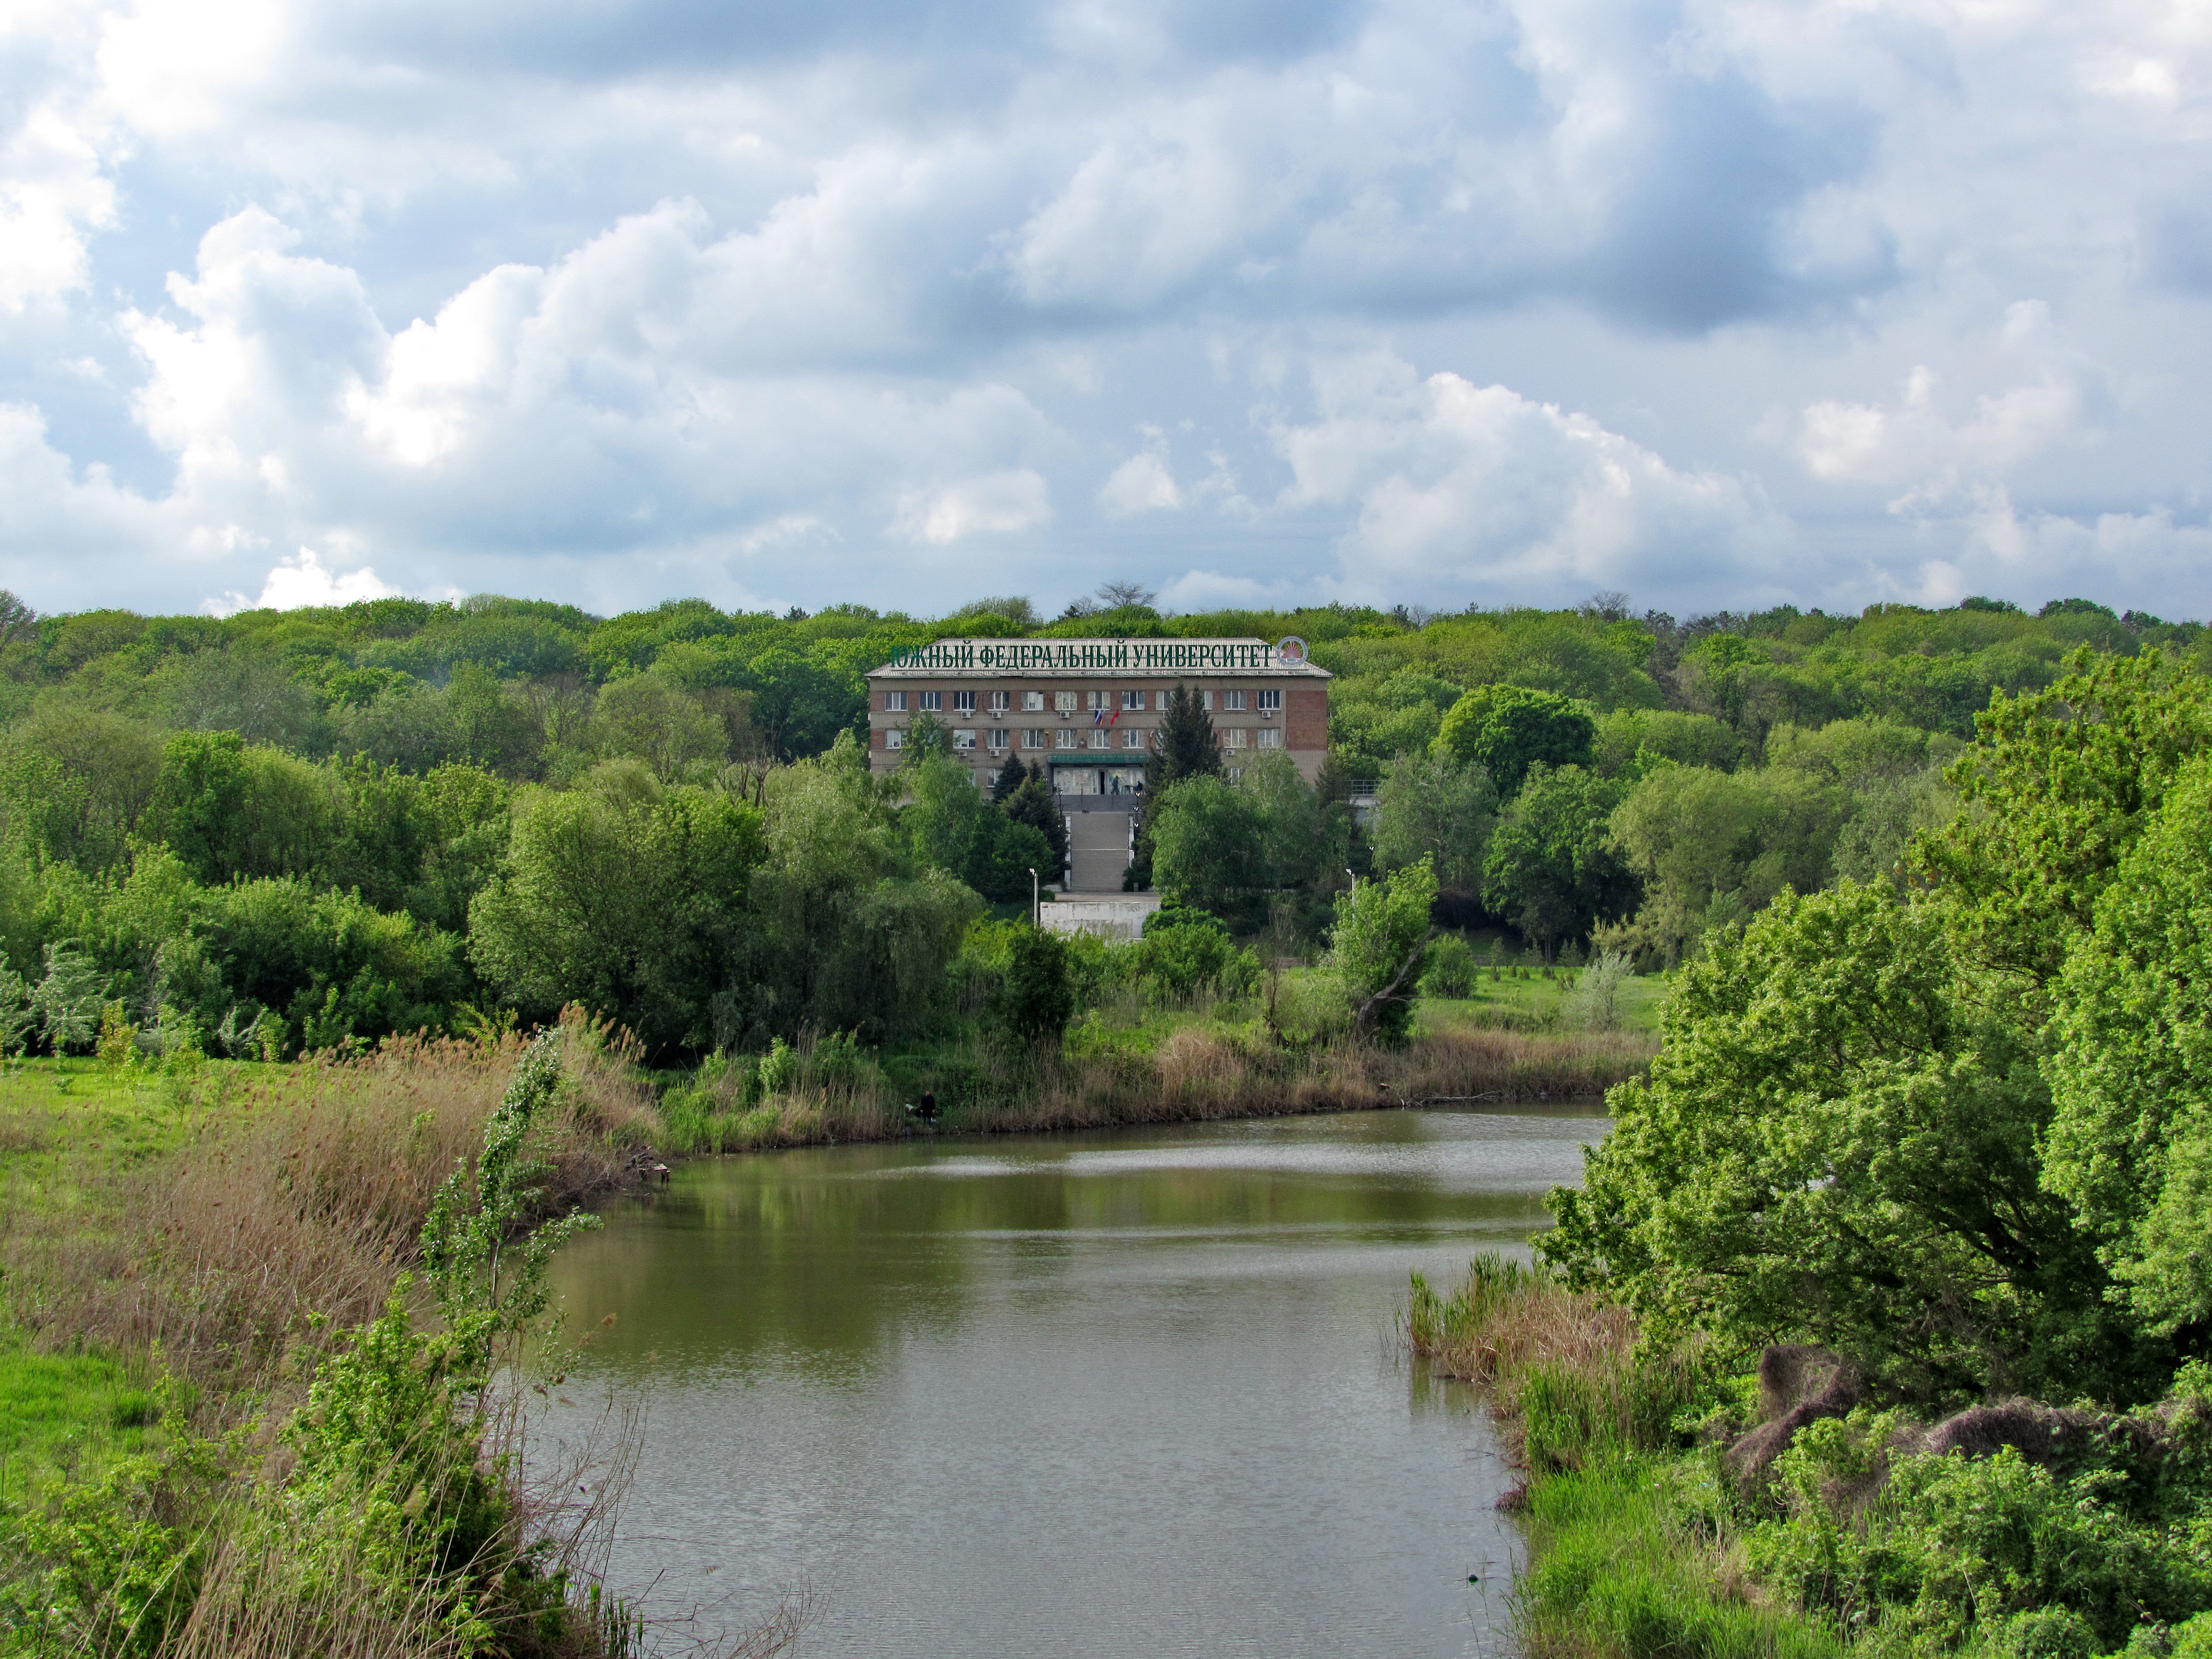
[1533, 1003]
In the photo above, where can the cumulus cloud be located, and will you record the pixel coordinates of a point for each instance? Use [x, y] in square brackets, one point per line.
[595, 300]
[302, 580]
[1143, 483]
[1466, 488]
[995, 504]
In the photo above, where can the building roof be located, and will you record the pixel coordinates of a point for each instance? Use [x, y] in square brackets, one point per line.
[1240, 659]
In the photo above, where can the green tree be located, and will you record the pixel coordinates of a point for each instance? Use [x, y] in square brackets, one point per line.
[2130, 1143]
[1715, 847]
[1838, 1144]
[1184, 745]
[1036, 998]
[1208, 836]
[1032, 802]
[1380, 945]
[658, 722]
[1508, 729]
[1551, 868]
[1436, 807]
[1010, 777]
[633, 906]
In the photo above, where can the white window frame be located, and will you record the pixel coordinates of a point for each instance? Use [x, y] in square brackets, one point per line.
[931, 702]
[1238, 736]
[1271, 699]
[894, 702]
[1133, 737]
[1032, 738]
[1232, 699]
[895, 738]
[1100, 700]
[1098, 737]
[964, 737]
[1032, 702]
[1132, 700]
[1205, 700]
[999, 739]
[1067, 702]
[1270, 736]
[1001, 701]
[1065, 738]
[963, 702]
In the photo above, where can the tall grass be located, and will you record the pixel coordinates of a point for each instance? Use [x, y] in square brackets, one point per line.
[1634, 1553]
[825, 1091]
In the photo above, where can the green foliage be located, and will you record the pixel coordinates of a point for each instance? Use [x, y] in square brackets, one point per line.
[1379, 946]
[1551, 867]
[1452, 970]
[1437, 807]
[1036, 999]
[1838, 1143]
[1506, 730]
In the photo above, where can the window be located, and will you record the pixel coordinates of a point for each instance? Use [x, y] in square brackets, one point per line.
[1102, 699]
[1232, 699]
[1236, 774]
[1000, 702]
[1032, 739]
[1205, 700]
[1065, 738]
[1064, 701]
[1239, 737]
[1132, 700]
[963, 702]
[894, 702]
[1270, 736]
[931, 701]
[896, 738]
[964, 737]
[1032, 702]
[1270, 700]
[1000, 738]
[1133, 737]
[1099, 736]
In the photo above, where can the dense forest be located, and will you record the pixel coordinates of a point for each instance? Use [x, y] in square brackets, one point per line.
[288, 830]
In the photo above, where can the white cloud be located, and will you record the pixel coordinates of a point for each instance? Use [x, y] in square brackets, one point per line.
[1464, 488]
[302, 580]
[1143, 483]
[995, 504]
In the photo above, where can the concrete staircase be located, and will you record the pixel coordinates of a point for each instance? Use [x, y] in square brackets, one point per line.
[1098, 850]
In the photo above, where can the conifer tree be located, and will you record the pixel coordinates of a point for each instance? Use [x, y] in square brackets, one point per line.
[1010, 778]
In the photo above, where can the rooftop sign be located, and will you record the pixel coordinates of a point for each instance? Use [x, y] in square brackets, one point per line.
[1133, 656]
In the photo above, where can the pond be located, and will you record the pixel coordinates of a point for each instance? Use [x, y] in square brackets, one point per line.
[1127, 1392]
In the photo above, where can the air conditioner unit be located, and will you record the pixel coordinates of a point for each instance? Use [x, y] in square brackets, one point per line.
[1267, 713]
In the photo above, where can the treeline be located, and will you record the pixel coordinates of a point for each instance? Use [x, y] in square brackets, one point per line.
[285, 830]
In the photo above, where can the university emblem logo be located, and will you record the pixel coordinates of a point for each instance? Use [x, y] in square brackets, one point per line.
[1291, 648]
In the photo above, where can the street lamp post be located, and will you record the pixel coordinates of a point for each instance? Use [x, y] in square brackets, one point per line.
[1036, 910]
[1355, 880]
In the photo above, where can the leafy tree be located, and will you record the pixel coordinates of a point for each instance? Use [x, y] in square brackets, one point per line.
[2060, 785]
[1551, 868]
[633, 905]
[658, 722]
[1380, 945]
[1036, 998]
[1436, 807]
[1207, 844]
[1837, 1143]
[2130, 1143]
[1714, 846]
[1508, 729]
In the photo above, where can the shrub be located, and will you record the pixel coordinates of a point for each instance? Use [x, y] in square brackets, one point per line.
[1452, 970]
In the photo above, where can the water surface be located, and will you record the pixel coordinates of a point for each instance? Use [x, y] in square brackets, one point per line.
[1132, 1392]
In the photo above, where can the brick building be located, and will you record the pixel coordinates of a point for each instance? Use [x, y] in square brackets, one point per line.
[1086, 709]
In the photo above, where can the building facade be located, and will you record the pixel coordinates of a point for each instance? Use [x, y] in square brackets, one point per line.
[1086, 710]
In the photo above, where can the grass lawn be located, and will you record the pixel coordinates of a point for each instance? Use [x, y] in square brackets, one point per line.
[1523, 1004]
[62, 1128]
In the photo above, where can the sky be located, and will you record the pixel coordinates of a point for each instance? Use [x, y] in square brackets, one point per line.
[1252, 302]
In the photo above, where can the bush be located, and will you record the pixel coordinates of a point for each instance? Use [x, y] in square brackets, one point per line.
[1452, 970]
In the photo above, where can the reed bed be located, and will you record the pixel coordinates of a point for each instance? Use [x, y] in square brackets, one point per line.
[1195, 1074]
[297, 1193]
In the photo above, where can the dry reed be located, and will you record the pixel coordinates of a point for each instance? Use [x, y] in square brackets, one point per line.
[1194, 1075]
